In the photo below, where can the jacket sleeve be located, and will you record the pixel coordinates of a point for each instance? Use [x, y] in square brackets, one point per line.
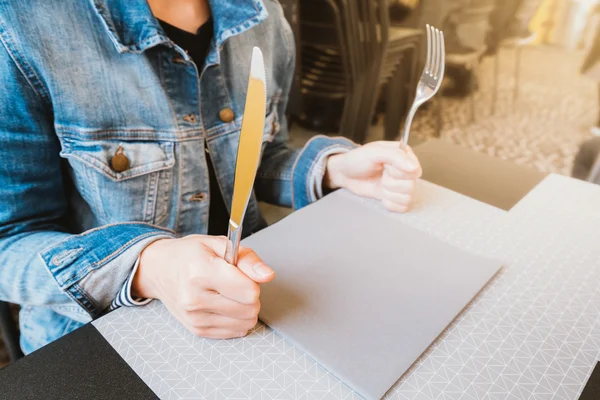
[294, 177]
[41, 264]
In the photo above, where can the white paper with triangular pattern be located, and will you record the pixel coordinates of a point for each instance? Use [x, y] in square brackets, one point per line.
[533, 333]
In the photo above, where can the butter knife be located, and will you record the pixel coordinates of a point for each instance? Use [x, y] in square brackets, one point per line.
[248, 154]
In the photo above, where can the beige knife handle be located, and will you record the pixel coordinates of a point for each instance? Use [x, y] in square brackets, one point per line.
[234, 234]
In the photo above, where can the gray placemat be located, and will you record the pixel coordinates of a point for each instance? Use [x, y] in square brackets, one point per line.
[362, 293]
[533, 333]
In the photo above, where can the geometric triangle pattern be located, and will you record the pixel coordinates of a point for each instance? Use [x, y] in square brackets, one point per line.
[178, 365]
[532, 333]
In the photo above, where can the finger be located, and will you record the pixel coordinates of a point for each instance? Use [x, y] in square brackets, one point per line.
[231, 282]
[396, 173]
[215, 303]
[395, 145]
[216, 333]
[410, 151]
[192, 295]
[391, 144]
[202, 320]
[410, 154]
[248, 260]
[395, 157]
[394, 207]
[402, 199]
[414, 159]
[406, 186]
[251, 265]
[192, 324]
[217, 244]
[219, 304]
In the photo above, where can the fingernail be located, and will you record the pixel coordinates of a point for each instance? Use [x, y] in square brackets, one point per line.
[262, 270]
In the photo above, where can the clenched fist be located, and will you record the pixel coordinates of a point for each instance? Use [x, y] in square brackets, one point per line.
[381, 170]
[210, 297]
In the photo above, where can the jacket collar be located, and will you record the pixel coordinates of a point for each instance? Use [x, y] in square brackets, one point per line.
[133, 29]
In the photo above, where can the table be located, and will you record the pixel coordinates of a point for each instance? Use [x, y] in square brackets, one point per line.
[480, 176]
[486, 347]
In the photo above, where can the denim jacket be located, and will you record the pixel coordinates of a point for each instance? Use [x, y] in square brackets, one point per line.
[82, 81]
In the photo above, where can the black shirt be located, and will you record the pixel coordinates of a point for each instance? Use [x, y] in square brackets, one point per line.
[197, 45]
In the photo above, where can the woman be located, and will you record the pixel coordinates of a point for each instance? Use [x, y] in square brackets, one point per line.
[119, 126]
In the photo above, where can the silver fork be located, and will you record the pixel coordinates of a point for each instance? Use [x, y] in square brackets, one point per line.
[431, 78]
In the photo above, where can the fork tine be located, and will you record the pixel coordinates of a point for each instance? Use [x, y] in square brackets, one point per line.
[428, 62]
[442, 68]
[438, 54]
[434, 52]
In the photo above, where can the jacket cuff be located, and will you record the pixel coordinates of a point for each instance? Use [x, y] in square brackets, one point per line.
[93, 266]
[310, 168]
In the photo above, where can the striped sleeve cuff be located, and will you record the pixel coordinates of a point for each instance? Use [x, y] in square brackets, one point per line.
[124, 297]
[318, 173]
[311, 165]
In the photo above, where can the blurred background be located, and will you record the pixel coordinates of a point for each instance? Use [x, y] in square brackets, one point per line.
[522, 76]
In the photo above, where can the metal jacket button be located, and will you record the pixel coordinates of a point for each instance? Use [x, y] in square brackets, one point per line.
[198, 197]
[226, 115]
[191, 118]
[119, 162]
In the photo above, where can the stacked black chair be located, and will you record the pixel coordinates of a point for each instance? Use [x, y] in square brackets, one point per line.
[9, 332]
[349, 53]
[326, 73]
[397, 56]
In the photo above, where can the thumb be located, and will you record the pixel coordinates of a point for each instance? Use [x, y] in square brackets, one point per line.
[412, 156]
[251, 265]
[393, 156]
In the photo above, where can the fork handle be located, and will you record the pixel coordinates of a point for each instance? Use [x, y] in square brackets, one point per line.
[407, 124]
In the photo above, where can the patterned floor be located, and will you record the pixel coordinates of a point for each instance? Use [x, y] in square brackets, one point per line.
[554, 112]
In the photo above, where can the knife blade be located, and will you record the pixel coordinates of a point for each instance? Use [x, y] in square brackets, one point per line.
[248, 154]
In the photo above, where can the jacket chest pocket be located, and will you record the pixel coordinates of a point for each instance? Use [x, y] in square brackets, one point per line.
[122, 181]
